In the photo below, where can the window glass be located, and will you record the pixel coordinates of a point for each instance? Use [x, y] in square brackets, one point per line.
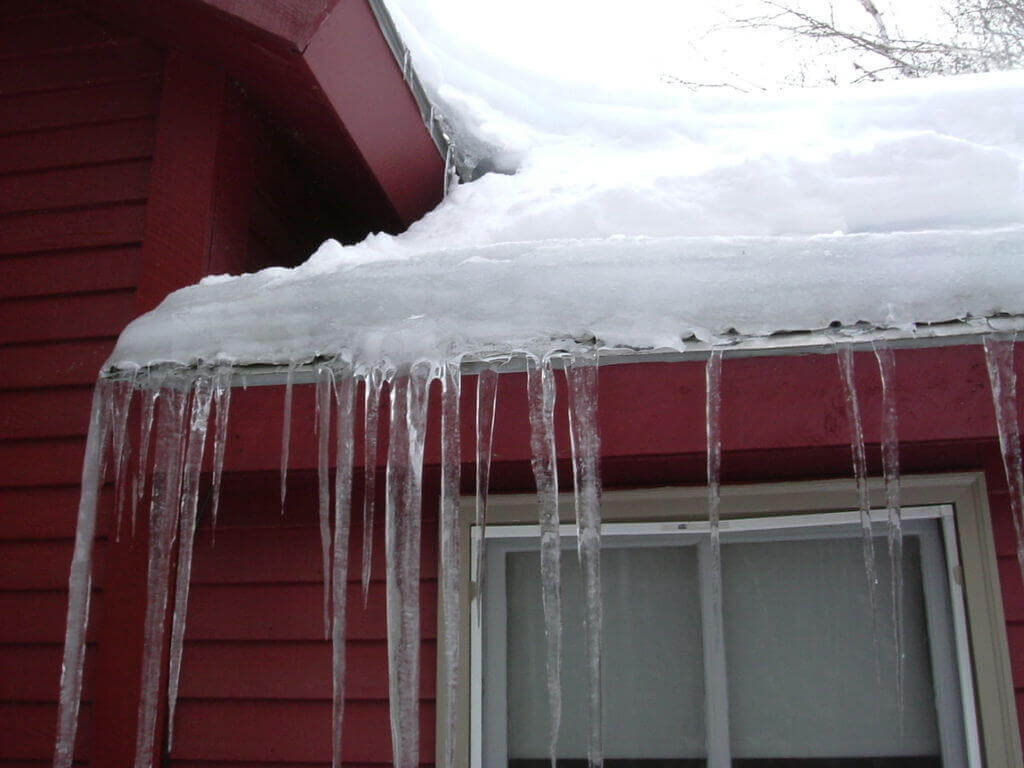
[809, 674]
[806, 677]
[653, 670]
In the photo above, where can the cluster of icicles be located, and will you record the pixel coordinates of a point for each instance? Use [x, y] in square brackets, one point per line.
[181, 402]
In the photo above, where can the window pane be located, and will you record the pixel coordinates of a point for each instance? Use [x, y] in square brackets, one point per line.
[653, 675]
[801, 654]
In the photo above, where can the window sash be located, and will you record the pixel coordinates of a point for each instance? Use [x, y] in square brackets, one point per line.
[944, 608]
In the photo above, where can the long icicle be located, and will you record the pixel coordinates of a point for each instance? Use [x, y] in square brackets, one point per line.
[345, 396]
[450, 551]
[80, 579]
[713, 413]
[999, 353]
[486, 405]
[844, 356]
[163, 518]
[120, 406]
[402, 544]
[324, 384]
[202, 397]
[222, 402]
[148, 408]
[373, 383]
[581, 376]
[891, 472]
[286, 431]
[540, 383]
[717, 727]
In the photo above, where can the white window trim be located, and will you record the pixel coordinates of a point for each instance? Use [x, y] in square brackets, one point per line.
[969, 528]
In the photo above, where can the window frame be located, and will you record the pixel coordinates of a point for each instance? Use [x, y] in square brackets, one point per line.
[969, 529]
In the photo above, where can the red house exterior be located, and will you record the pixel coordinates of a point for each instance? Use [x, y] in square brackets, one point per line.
[144, 145]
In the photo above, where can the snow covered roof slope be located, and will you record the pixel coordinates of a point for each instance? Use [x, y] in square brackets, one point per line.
[654, 218]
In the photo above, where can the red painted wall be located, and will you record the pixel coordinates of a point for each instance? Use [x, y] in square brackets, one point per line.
[255, 654]
[78, 105]
[78, 126]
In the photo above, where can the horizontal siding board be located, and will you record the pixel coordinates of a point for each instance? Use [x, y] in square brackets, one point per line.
[59, 30]
[1013, 589]
[74, 187]
[60, 364]
[64, 272]
[291, 612]
[43, 565]
[28, 514]
[29, 730]
[32, 672]
[289, 670]
[56, 230]
[78, 145]
[39, 617]
[10, 9]
[58, 318]
[257, 731]
[291, 555]
[56, 461]
[108, 61]
[1015, 636]
[92, 104]
[45, 413]
[1002, 524]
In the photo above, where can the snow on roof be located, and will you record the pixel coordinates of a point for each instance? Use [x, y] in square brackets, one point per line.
[651, 219]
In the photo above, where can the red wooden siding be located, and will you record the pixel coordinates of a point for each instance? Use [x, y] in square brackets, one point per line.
[256, 663]
[254, 651]
[78, 104]
[79, 194]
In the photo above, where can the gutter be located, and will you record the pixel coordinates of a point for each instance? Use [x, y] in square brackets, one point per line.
[952, 333]
[455, 167]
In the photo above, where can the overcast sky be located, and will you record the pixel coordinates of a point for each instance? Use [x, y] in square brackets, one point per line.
[641, 40]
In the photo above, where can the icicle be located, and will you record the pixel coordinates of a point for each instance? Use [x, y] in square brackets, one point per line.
[999, 352]
[451, 551]
[149, 398]
[402, 544]
[373, 382]
[80, 579]
[120, 405]
[222, 400]
[581, 376]
[717, 727]
[540, 383]
[844, 356]
[486, 406]
[713, 408]
[345, 396]
[163, 517]
[447, 171]
[286, 432]
[891, 472]
[202, 396]
[324, 382]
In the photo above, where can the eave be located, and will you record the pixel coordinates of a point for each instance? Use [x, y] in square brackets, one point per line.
[325, 73]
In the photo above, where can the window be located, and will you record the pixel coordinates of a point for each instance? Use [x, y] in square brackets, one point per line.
[798, 675]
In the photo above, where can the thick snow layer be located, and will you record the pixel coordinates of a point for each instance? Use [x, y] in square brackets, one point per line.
[652, 218]
[629, 291]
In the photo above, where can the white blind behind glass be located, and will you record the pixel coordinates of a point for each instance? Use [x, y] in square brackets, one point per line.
[653, 668]
[801, 653]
